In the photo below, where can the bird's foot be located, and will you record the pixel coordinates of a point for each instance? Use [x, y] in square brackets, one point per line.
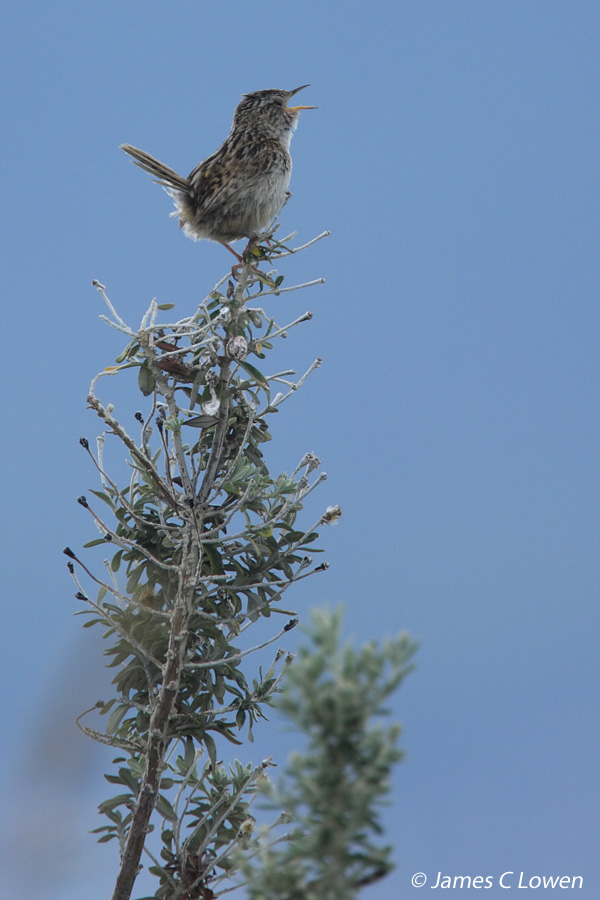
[246, 258]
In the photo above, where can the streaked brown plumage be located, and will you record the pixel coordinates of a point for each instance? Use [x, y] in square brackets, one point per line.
[237, 191]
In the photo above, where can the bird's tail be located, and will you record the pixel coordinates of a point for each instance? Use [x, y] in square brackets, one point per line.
[163, 174]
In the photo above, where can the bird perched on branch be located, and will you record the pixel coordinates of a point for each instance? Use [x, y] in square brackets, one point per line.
[238, 190]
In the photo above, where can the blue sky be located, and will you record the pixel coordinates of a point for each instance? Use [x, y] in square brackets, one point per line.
[454, 157]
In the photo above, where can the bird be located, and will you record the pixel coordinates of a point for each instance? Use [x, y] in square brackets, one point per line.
[236, 192]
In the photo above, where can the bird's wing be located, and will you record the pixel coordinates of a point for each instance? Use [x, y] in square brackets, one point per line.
[228, 172]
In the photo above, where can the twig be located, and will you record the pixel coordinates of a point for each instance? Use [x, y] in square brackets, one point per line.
[235, 657]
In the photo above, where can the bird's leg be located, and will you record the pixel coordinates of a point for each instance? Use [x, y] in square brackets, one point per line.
[250, 246]
[243, 260]
[235, 253]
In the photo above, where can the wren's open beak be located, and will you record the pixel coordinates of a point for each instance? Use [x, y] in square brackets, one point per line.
[298, 108]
